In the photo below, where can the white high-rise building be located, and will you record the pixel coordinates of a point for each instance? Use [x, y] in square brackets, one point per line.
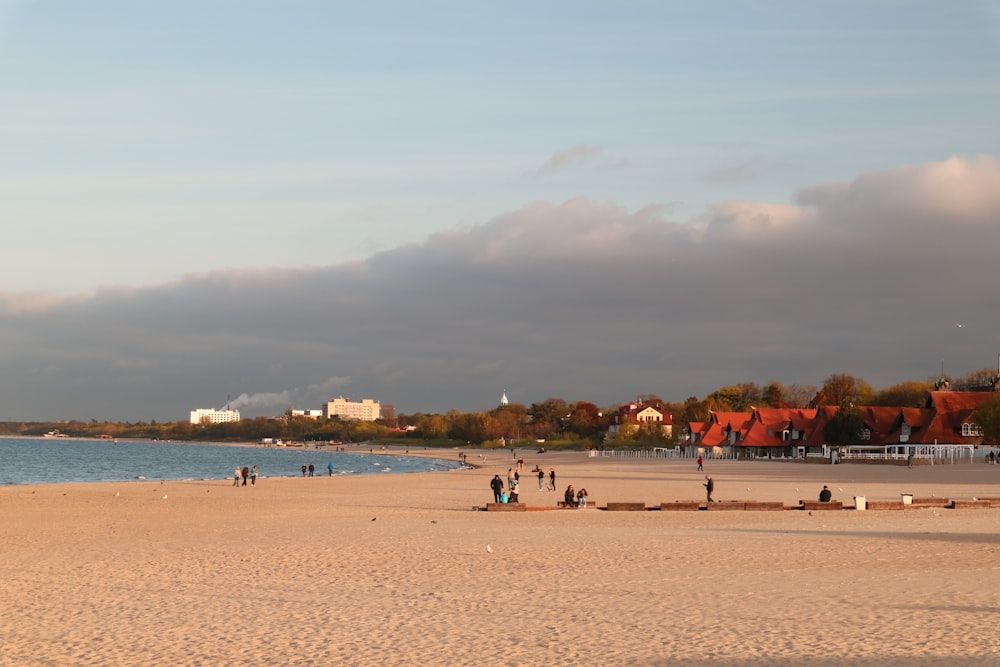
[367, 410]
[213, 416]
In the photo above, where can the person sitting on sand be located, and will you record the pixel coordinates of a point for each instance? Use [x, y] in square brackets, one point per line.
[825, 495]
[581, 498]
[570, 496]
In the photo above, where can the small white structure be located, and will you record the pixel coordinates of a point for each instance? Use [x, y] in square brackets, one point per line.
[213, 416]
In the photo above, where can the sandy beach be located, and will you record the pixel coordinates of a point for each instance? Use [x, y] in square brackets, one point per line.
[395, 570]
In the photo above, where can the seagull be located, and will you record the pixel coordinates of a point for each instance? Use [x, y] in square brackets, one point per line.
[164, 496]
[960, 326]
[489, 549]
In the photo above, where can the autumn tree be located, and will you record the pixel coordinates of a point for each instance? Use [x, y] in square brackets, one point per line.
[845, 390]
[585, 420]
[911, 394]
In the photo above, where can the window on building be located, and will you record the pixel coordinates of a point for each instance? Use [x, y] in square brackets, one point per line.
[971, 430]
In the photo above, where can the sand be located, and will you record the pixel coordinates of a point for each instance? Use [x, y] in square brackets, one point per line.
[395, 570]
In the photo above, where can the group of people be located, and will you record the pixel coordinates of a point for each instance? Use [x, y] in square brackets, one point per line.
[514, 483]
[245, 473]
[501, 496]
[571, 497]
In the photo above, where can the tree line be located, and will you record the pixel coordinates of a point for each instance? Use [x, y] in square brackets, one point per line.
[554, 421]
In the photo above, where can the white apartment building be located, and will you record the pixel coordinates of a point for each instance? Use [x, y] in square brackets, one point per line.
[312, 414]
[213, 416]
[367, 410]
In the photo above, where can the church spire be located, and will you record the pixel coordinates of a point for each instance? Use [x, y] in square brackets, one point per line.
[503, 399]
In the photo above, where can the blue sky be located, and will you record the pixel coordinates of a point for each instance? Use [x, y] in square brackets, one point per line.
[147, 145]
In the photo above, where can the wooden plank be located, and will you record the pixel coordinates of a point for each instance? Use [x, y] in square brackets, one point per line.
[971, 504]
[763, 506]
[886, 505]
[681, 506]
[626, 507]
[726, 506]
[931, 502]
[816, 505]
[506, 507]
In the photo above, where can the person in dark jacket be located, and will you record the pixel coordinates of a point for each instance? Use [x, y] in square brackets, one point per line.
[497, 485]
[709, 487]
[825, 495]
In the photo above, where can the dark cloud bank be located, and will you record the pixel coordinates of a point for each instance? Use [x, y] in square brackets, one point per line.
[580, 300]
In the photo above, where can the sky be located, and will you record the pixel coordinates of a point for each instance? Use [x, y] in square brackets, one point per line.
[430, 204]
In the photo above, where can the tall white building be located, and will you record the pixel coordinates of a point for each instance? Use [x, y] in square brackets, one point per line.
[367, 410]
[213, 416]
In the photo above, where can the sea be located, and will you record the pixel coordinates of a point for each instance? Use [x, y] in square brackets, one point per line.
[66, 460]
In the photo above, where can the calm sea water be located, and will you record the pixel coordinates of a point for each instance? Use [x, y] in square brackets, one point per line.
[64, 460]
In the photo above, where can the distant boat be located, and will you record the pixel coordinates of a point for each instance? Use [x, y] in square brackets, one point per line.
[55, 434]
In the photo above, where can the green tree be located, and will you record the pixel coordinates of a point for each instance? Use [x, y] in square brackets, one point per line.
[845, 427]
[727, 399]
[987, 417]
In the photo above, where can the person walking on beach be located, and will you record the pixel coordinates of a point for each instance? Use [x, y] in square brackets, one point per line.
[541, 478]
[497, 485]
[246, 473]
[552, 479]
[709, 487]
[510, 477]
[303, 469]
[236, 477]
[253, 475]
[700, 467]
[312, 469]
[513, 492]
[329, 468]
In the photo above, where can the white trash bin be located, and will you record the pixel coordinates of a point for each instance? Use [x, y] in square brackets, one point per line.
[860, 503]
[907, 498]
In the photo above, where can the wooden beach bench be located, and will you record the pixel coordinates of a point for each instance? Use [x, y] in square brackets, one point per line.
[763, 506]
[994, 502]
[682, 506]
[886, 505]
[562, 504]
[726, 506]
[506, 507]
[930, 502]
[817, 505]
[982, 503]
[626, 507]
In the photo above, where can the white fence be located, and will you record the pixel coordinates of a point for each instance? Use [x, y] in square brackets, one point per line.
[935, 454]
